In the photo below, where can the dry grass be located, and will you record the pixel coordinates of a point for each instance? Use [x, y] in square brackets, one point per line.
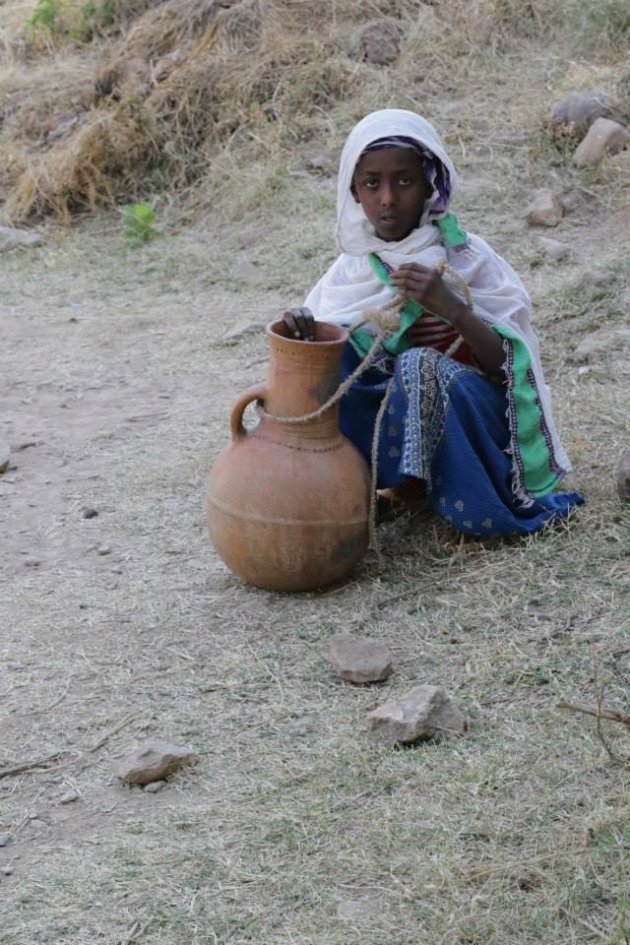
[293, 828]
[175, 81]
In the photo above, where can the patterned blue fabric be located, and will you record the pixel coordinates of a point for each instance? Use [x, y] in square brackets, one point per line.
[445, 423]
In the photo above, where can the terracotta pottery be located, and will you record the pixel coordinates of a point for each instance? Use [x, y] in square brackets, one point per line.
[288, 502]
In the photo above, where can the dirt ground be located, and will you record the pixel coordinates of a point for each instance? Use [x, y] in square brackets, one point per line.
[119, 623]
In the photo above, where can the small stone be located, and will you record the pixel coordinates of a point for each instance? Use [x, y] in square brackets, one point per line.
[623, 476]
[5, 839]
[546, 209]
[603, 137]
[89, 513]
[359, 660]
[244, 270]
[69, 797]
[592, 279]
[16, 665]
[7, 871]
[154, 786]
[321, 161]
[153, 761]
[240, 330]
[605, 339]
[5, 456]
[423, 712]
[554, 248]
[380, 41]
[32, 563]
[104, 550]
[582, 108]
[11, 238]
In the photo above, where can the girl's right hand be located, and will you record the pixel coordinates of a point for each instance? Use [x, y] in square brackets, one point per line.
[300, 323]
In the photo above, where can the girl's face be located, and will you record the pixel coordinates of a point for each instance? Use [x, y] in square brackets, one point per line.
[390, 186]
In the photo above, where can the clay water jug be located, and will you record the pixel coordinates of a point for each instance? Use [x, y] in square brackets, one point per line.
[288, 502]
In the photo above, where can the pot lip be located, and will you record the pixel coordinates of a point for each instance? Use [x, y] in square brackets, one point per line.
[342, 335]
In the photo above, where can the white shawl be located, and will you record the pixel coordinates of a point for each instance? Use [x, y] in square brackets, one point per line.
[350, 286]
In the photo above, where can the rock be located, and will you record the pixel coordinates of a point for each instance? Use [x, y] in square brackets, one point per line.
[605, 339]
[11, 238]
[423, 712]
[321, 161]
[5, 456]
[592, 279]
[104, 550]
[581, 109]
[554, 248]
[546, 209]
[153, 761]
[603, 137]
[89, 513]
[5, 839]
[623, 477]
[244, 270]
[154, 786]
[359, 660]
[240, 330]
[69, 797]
[380, 41]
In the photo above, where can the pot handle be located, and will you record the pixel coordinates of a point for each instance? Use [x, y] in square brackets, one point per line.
[236, 417]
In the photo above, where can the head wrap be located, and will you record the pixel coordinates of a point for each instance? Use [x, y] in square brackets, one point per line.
[391, 127]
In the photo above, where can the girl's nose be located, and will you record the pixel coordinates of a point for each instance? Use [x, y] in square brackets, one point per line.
[387, 195]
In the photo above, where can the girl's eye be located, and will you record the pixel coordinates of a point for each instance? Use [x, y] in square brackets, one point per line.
[370, 184]
[405, 181]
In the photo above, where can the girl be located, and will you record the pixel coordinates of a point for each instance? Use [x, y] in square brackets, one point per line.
[467, 413]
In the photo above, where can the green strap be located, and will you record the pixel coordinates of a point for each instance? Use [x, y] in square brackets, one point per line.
[532, 456]
[451, 235]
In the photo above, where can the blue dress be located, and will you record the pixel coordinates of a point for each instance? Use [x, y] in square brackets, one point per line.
[447, 424]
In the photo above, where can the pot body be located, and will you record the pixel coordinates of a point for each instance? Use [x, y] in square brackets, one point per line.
[288, 502]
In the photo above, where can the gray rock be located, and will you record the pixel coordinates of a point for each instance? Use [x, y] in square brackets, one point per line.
[592, 279]
[359, 660]
[605, 339]
[5, 456]
[380, 41]
[546, 209]
[583, 108]
[244, 270]
[623, 476]
[423, 712]
[233, 335]
[11, 238]
[321, 161]
[5, 839]
[603, 137]
[554, 248]
[103, 550]
[154, 761]
[69, 797]
[154, 786]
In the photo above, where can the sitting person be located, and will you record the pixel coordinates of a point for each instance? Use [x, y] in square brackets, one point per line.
[455, 391]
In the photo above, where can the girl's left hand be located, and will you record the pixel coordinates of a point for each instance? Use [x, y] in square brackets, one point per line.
[425, 286]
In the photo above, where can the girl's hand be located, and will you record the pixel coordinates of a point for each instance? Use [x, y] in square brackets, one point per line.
[300, 323]
[425, 286]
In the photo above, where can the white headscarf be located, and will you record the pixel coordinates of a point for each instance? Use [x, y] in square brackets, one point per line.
[355, 234]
